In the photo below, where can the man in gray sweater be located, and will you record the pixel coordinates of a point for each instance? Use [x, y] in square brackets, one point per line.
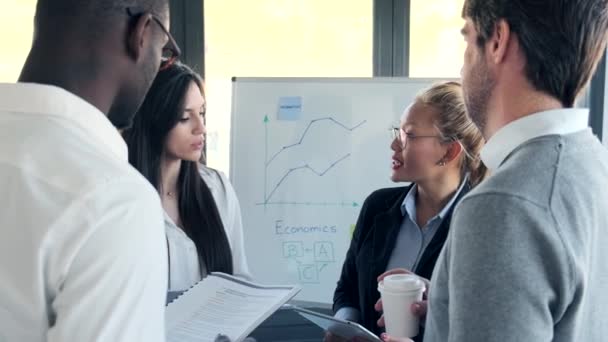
[527, 255]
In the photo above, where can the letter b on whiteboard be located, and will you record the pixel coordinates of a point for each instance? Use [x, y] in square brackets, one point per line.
[293, 249]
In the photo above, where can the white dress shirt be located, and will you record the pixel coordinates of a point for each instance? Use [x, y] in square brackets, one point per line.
[185, 267]
[82, 246]
[551, 122]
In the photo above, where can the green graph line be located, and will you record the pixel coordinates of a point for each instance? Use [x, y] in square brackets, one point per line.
[265, 155]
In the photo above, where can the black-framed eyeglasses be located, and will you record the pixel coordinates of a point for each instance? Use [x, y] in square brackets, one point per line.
[171, 51]
[402, 137]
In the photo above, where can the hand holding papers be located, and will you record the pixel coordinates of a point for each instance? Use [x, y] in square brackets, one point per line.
[223, 304]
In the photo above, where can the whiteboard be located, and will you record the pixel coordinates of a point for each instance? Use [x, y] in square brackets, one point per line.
[305, 153]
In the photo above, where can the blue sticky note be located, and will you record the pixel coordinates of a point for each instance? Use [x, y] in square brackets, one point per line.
[290, 108]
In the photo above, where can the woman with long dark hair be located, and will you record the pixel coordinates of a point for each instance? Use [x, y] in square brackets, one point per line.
[202, 214]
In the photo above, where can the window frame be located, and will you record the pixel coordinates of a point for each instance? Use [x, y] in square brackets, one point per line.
[391, 34]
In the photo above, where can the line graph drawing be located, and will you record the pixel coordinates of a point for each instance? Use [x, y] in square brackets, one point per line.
[304, 167]
[312, 122]
[268, 195]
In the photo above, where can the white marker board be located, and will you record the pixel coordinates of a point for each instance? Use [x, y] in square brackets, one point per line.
[305, 153]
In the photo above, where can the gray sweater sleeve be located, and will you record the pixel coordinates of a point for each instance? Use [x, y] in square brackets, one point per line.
[507, 272]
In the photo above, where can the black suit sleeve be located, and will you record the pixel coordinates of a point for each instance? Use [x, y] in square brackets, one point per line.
[347, 290]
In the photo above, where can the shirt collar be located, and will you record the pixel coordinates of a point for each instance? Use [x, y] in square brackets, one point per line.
[47, 100]
[509, 137]
[408, 206]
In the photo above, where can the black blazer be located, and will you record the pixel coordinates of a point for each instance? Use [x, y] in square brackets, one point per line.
[371, 247]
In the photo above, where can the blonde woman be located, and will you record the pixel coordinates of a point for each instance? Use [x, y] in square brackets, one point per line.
[436, 149]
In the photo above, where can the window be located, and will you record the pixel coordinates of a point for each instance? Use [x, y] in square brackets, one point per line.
[17, 27]
[283, 38]
[436, 46]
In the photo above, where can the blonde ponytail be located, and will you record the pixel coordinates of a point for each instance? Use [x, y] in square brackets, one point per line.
[454, 124]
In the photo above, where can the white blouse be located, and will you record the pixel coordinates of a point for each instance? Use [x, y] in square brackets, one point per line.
[185, 268]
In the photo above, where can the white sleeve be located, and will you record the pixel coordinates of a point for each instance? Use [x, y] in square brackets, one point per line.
[115, 282]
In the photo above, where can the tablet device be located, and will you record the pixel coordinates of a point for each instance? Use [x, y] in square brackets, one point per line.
[338, 327]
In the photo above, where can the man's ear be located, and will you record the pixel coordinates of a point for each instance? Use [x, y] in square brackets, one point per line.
[136, 39]
[499, 41]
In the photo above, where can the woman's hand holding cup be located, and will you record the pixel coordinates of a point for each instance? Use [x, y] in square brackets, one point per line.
[418, 308]
[388, 338]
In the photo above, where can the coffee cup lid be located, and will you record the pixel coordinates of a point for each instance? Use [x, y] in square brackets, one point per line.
[402, 282]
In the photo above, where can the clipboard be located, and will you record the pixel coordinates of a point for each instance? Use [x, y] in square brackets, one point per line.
[338, 327]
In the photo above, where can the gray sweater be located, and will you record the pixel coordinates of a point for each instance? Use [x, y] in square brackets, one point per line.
[527, 255]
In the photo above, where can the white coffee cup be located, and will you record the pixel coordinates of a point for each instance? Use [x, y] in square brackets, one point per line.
[398, 293]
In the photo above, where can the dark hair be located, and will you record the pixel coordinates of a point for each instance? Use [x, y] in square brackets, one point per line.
[455, 125]
[563, 40]
[146, 139]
